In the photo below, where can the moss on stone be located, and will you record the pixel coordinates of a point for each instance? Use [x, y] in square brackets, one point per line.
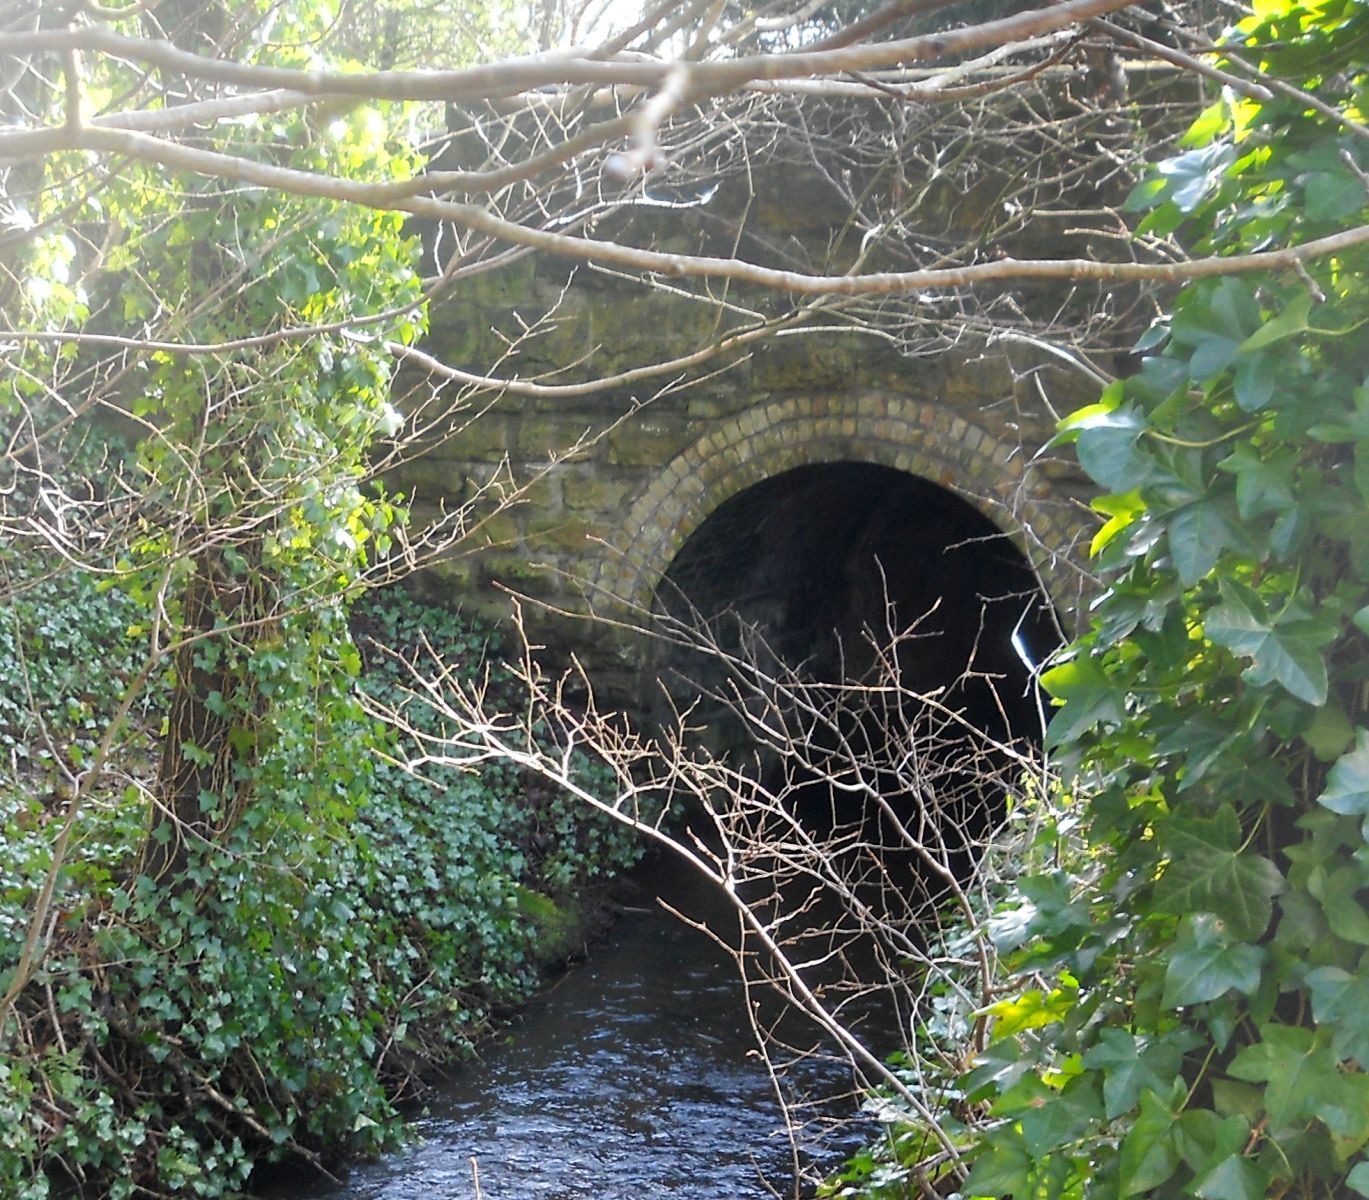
[561, 927]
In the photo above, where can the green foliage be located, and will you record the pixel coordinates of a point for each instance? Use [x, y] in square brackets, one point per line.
[359, 926]
[1186, 984]
[257, 937]
[45, 631]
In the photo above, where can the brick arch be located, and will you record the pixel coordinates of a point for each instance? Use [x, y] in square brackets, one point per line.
[921, 438]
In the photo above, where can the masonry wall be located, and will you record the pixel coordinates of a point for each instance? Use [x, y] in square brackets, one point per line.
[606, 484]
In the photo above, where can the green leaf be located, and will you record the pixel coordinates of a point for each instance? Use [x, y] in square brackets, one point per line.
[1129, 1065]
[1332, 195]
[1344, 1109]
[1358, 1179]
[1032, 1009]
[1212, 356]
[1005, 1169]
[1236, 1178]
[1121, 510]
[1234, 308]
[1340, 1003]
[1294, 1068]
[1347, 783]
[1052, 908]
[1330, 734]
[1184, 180]
[1198, 533]
[1288, 323]
[1208, 872]
[1063, 1117]
[1287, 652]
[1108, 449]
[1206, 964]
[1149, 1153]
[1088, 696]
[1253, 382]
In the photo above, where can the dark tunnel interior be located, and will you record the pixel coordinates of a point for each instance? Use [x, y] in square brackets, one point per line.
[820, 559]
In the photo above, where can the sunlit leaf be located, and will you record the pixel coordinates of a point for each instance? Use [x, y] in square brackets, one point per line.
[1347, 783]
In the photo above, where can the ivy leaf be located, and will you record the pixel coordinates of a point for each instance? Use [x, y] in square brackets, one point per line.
[1108, 449]
[1062, 1118]
[1344, 1109]
[1347, 783]
[1234, 308]
[1287, 652]
[1296, 1071]
[1338, 888]
[1253, 382]
[1330, 733]
[1204, 1138]
[1212, 356]
[1198, 533]
[1183, 180]
[1206, 964]
[1129, 1065]
[1236, 1178]
[1292, 321]
[1031, 1010]
[1264, 482]
[1209, 873]
[1332, 195]
[1122, 512]
[1340, 1003]
[1198, 742]
[1088, 696]
[1358, 1179]
[1149, 1154]
[1004, 1170]
[1052, 909]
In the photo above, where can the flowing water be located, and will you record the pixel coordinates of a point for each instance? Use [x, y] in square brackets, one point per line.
[634, 1077]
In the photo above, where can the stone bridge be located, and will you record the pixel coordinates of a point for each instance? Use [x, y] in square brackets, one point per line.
[797, 478]
[614, 485]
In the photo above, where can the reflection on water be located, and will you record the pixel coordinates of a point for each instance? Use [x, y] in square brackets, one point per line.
[635, 1077]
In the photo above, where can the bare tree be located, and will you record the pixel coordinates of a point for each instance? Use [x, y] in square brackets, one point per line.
[861, 844]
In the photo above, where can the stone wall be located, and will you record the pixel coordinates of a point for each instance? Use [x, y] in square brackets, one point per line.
[610, 482]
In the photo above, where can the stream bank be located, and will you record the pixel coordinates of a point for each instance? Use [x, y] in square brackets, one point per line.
[634, 1076]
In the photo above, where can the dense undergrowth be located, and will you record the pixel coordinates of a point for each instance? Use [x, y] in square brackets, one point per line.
[278, 997]
[1181, 1007]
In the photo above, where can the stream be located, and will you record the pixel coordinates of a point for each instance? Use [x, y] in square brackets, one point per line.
[635, 1076]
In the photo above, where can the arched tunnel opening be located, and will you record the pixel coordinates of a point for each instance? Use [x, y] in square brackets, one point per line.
[822, 562]
[893, 606]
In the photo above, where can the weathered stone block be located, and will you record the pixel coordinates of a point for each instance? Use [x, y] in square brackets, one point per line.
[546, 435]
[560, 533]
[499, 529]
[516, 571]
[585, 492]
[647, 442]
[448, 579]
[486, 437]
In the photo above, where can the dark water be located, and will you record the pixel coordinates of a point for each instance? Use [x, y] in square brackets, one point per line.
[636, 1076]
